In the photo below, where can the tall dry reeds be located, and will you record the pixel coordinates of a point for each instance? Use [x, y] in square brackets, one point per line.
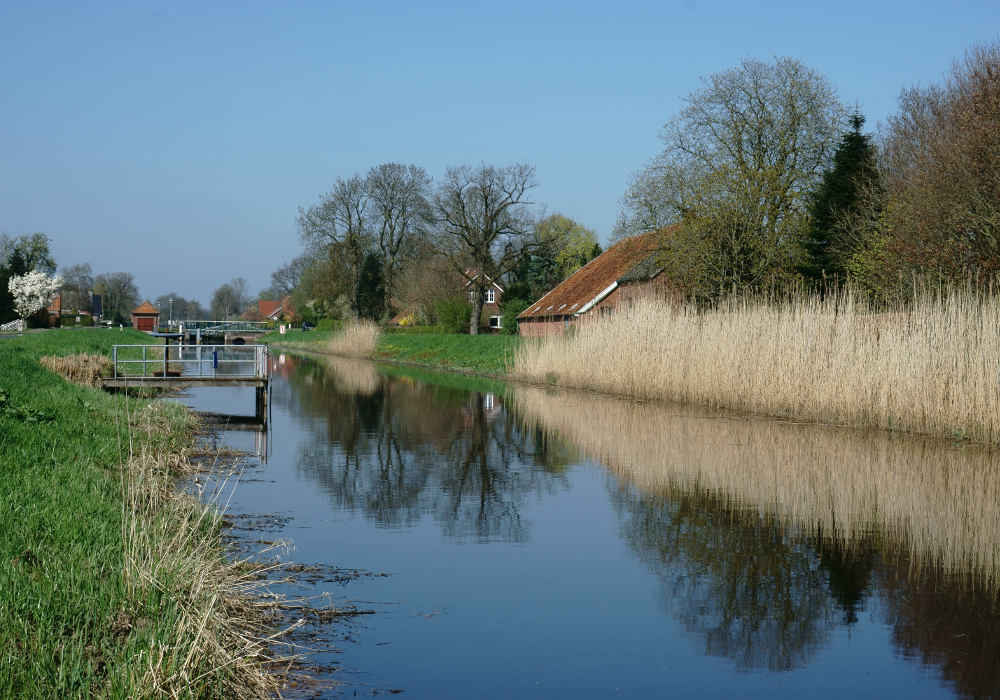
[356, 339]
[218, 641]
[932, 367]
[86, 368]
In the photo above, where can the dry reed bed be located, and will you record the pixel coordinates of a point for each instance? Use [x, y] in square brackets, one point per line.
[357, 339]
[940, 505]
[933, 368]
[221, 639]
[86, 369]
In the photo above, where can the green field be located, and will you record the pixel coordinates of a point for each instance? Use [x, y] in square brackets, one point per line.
[78, 616]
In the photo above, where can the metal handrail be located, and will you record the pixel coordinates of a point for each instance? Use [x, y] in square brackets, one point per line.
[205, 360]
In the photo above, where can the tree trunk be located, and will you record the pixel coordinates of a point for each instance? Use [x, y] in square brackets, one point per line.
[477, 312]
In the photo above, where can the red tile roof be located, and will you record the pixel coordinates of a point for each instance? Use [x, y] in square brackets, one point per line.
[267, 308]
[588, 284]
[146, 308]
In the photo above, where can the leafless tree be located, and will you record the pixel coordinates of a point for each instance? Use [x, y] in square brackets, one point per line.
[78, 287]
[340, 221]
[120, 294]
[400, 214]
[287, 278]
[231, 299]
[942, 171]
[486, 224]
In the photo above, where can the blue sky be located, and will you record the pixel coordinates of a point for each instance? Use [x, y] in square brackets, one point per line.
[176, 140]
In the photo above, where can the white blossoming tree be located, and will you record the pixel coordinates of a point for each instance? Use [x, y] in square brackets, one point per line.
[33, 291]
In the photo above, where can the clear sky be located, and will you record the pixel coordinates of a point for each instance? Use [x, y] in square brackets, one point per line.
[176, 140]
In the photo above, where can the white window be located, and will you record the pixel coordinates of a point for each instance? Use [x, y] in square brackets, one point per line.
[490, 296]
[496, 321]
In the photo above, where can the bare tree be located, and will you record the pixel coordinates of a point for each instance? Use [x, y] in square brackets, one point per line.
[287, 278]
[339, 221]
[120, 294]
[486, 224]
[231, 299]
[78, 287]
[400, 214]
[941, 172]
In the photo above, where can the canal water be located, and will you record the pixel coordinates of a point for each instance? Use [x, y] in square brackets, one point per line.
[520, 542]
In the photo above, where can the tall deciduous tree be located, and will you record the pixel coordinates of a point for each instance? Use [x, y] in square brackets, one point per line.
[486, 224]
[287, 278]
[33, 251]
[942, 151]
[120, 295]
[738, 165]
[400, 215]
[339, 222]
[230, 300]
[78, 287]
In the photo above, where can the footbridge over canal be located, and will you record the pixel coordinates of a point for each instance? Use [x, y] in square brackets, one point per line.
[178, 366]
[228, 332]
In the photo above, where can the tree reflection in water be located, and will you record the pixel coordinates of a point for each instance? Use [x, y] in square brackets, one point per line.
[397, 449]
[754, 594]
[766, 534]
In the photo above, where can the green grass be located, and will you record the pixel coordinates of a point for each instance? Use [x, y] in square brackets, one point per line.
[483, 354]
[70, 624]
[480, 354]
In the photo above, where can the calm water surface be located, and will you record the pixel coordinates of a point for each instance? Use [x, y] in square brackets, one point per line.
[544, 544]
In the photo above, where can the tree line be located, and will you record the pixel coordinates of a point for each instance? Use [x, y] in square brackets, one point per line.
[389, 240]
[768, 181]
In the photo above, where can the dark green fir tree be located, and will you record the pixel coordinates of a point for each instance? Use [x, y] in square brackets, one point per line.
[854, 168]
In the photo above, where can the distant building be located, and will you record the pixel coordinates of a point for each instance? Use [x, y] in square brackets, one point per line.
[145, 317]
[628, 270]
[491, 316]
[274, 310]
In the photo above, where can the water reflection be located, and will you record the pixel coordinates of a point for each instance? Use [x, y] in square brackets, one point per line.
[766, 535]
[397, 449]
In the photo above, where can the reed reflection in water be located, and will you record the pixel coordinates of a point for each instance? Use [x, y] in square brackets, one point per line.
[936, 503]
[768, 534]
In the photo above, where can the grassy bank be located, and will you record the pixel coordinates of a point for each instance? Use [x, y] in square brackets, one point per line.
[480, 354]
[931, 368]
[112, 583]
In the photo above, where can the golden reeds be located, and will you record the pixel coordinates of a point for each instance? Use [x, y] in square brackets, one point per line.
[86, 369]
[931, 368]
[355, 339]
[938, 503]
[219, 642]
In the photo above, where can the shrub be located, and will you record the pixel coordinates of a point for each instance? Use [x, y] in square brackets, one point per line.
[511, 309]
[329, 324]
[453, 314]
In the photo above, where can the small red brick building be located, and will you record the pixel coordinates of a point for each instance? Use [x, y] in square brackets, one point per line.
[628, 270]
[145, 317]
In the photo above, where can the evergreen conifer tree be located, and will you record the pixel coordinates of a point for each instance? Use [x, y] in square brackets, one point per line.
[854, 167]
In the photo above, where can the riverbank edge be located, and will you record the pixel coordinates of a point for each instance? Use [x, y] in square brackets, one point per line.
[124, 586]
